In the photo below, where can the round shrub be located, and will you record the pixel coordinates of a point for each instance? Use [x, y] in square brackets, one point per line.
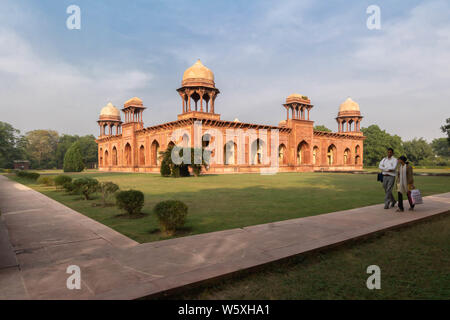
[171, 215]
[131, 201]
[85, 186]
[69, 187]
[106, 189]
[61, 179]
[45, 180]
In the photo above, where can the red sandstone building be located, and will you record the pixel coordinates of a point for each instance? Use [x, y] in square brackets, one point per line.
[129, 146]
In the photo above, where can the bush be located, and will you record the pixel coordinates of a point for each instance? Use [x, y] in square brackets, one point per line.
[48, 181]
[61, 179]
[171, 215]
[131, 201]
[85, 186]
[69, 187]
[28, 175]
[106, 189]
[73, 160]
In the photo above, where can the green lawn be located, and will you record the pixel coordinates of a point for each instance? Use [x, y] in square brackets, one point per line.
[414, 263]
[219, 202]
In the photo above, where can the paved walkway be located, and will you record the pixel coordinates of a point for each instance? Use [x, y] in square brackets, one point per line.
[46, 237]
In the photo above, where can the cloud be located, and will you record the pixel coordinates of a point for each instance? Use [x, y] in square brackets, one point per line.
[46, 94]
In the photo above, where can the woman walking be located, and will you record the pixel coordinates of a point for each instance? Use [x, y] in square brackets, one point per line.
[405, 183]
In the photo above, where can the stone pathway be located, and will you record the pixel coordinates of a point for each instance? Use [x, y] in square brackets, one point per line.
[45, 237]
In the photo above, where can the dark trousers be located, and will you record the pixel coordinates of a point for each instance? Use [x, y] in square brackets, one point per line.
[400, 200]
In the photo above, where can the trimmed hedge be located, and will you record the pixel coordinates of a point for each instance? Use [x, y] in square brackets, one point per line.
[28, 175]
[46, 180]
[131, 201]
[171, 215]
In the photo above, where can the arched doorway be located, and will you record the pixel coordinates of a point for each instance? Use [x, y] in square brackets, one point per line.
[101, 157]
[106, 158]
[155, 153]
[316, 158]
[230, 153]
[257, 151]
[282, 154]
[114, 156]
[331, 154]
[127, 154]
[302, 153]
[347, 159]
[142, 156]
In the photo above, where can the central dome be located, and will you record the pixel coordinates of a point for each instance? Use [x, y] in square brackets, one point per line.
[198, 75]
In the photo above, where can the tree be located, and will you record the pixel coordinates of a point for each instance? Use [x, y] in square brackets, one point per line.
[41, 148]
[441, 147]
[321, 127]
[446, 129]
[418, 150]
[197, 161]
[10, 145]
[89, 149]
[73, 161]
[64, 143]
[376, 143]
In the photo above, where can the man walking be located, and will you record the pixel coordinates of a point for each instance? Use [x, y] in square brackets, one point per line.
[388, 168]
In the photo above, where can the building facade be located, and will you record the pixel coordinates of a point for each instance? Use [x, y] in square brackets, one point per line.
[237, 147]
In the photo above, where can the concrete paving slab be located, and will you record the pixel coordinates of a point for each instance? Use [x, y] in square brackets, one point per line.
[45, 237]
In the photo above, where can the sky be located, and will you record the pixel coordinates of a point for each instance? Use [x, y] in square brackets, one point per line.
[260, 51]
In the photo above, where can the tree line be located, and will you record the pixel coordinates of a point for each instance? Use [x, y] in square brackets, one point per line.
[45, 149]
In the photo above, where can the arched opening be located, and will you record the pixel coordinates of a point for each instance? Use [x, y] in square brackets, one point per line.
[114, 156]
[106, 158]
[101, 157]
[127, 154]
[155, 153]
[230, 153]
[142, 156]
[357, 150]
[357, 159]
[282, 154]
[257, 151]
[316, 158]
[302, 153]
[347, 159]
[331, 154]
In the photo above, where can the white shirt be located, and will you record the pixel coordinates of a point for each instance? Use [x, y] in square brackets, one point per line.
[388, 164]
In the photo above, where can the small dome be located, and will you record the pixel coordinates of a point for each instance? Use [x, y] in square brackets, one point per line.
[295, 97]
[198, 75]
[135, 102]
[110, 112]
[349, 106]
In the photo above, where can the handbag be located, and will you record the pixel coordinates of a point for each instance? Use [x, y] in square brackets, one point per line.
[416, 197]
[380, 177]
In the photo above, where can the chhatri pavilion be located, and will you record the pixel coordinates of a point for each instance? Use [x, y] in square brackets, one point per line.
[130, 147]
